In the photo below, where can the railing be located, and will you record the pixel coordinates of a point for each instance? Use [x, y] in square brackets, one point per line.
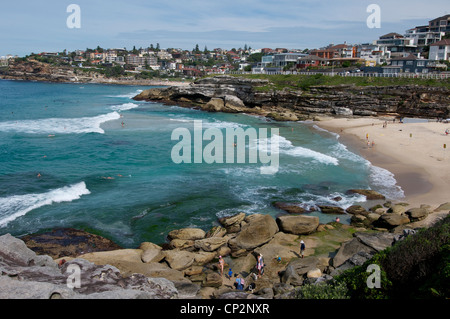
[438, 76]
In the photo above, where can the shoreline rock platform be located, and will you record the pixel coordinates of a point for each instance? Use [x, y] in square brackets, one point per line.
[187, 267]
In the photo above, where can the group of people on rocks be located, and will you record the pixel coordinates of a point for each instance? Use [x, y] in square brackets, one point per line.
[239, 283]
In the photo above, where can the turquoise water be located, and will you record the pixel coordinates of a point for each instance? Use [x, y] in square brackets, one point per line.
[67, 161]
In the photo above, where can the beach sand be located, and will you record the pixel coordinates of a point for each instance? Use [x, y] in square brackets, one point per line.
[413, 152]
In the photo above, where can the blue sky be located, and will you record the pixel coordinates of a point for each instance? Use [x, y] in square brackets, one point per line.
[36, 26]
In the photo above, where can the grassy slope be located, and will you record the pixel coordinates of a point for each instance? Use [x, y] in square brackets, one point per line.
[303, 82]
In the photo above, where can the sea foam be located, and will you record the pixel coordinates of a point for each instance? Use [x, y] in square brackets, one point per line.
[60, 125]
[124, 107]
[15, 206]
[286, 147]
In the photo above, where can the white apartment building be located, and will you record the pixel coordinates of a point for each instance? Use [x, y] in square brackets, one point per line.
[440, 50]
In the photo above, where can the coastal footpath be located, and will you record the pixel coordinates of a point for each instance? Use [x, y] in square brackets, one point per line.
[186, 266]
[236, 94]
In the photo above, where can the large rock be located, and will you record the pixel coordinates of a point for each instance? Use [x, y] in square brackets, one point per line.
[258, 231]
[368, 243]
[416, 214]
[297, 268]
[150, 252]
[298, 225]
[210, 244]
[179, 259]
[187, 233]
[331, 209]
[391, 220]
[291, 208]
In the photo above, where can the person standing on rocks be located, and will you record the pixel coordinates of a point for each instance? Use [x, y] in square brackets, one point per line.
[302, 248]
[221, 265]
[260, 265]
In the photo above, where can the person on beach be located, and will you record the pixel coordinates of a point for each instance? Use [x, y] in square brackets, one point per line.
[221, 265]
[302, 248]
[260, 265]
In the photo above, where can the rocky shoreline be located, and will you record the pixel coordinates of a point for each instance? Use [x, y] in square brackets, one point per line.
[42, 72]
[241, 95]
[186, 267]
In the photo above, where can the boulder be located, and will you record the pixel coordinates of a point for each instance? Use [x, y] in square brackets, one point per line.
[258, 231]
[363, 242]
[216, 231]
[290, 208]
[213, 279]
[187, 233]
[331, 209]
[370, 194]
[297, 268]
[203, 257]
[391, 220]
[128, 261]
[184, 244]
[179, 259]
[397, 209]
[356, 210]
[348, 249]
[314, 273]
[233, 223]
[151, 252]
[416, 214]
[210, 244]
[298, 225]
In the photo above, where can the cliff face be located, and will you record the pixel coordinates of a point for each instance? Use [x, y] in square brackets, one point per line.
[234, 94]
[37, 71]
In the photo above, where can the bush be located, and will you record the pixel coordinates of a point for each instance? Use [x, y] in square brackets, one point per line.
[323, 291]
[416, 267]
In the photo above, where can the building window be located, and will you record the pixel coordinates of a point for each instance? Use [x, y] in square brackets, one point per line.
[420, 63]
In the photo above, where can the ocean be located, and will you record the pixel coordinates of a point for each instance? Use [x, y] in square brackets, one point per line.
[87, 156]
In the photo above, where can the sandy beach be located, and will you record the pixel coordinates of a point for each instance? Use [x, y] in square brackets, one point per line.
[413, 152]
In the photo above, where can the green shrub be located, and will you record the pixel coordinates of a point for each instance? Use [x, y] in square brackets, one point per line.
[323, 291]
[416, 267]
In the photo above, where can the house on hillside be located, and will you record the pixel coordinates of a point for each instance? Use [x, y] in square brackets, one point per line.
[412, 64]
[311, 61]
[440, 50]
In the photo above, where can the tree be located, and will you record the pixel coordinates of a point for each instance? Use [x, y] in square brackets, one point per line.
[205, 51]
[196, 49]
[157, 47]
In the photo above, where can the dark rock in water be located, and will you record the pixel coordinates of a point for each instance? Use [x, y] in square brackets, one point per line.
[357, 210]
[331, 209]
[67, 242]
[291, 208]
[370, 194]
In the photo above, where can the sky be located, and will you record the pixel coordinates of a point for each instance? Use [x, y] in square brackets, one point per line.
[41, 26]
